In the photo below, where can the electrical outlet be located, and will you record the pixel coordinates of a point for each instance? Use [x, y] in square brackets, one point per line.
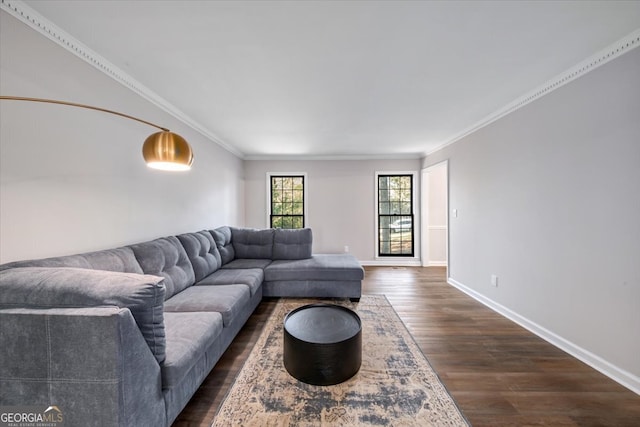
[494, 280]
[346, 249]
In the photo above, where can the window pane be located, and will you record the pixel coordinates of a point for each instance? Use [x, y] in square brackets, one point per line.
[394, 182]
[276, 183]
[383, 182]
[384, 208]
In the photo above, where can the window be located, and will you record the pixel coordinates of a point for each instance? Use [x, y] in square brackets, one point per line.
[395, 215]
[287, 201]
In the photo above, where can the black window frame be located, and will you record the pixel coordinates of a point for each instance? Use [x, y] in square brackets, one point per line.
[288, 217]
[394, 210]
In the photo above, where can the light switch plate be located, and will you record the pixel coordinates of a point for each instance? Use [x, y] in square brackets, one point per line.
[494, 280]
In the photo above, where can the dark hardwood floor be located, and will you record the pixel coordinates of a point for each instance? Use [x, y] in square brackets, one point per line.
[499, 373]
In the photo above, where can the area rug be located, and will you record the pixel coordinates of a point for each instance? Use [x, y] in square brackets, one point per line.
[395, 386]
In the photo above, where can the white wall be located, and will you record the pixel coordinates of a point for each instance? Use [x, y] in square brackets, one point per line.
[74, 180]
[341, 196]
[548, 199]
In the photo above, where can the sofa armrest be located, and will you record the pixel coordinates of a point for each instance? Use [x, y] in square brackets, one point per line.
[58, 287]
[92, 363]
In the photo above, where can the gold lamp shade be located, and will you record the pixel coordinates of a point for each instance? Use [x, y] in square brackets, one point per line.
[167, 151]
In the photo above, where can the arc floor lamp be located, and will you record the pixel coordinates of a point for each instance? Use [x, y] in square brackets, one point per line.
[163, 150]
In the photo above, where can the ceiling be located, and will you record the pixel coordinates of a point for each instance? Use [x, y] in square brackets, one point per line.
[342, 79]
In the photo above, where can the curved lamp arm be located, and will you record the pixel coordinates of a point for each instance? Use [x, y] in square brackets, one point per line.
[163, 150]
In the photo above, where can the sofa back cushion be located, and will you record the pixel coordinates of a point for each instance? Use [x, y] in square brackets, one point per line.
[166, 257]
[250, 243]
[222, 237]
[292, 244]
[64, 287]
[202, 252]
[119, 259]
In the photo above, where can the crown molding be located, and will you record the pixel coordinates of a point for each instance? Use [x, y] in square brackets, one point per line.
[619, 48]
[278, 157]
[33, 19]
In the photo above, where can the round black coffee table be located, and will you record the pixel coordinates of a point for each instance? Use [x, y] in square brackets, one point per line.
[322, 344]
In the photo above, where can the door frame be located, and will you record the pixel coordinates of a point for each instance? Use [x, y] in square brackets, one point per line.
[424, 209]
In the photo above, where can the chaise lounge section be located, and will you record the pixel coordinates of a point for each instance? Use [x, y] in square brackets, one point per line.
[125, 336]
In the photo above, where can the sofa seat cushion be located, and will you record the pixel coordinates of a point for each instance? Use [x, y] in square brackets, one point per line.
[318, 267]
[189, 336]
[228, 300]
[41, 287]
[248, 263]
[313, 289]
[251, 277]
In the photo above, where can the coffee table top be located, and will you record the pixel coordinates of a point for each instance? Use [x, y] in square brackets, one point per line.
[322, 323]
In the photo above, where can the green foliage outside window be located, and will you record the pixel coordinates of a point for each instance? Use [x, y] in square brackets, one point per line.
[395, 215]
[287, 201]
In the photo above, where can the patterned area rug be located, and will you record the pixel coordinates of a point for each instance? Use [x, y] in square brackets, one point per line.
[396, 385]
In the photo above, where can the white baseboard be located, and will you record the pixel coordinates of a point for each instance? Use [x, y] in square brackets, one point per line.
[437, 264]
[625, 378]
[391, 263]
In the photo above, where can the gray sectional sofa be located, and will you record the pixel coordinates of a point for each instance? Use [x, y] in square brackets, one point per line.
[125, 336]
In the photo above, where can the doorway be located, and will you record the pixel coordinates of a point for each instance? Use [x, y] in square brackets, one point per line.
[435, 208]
